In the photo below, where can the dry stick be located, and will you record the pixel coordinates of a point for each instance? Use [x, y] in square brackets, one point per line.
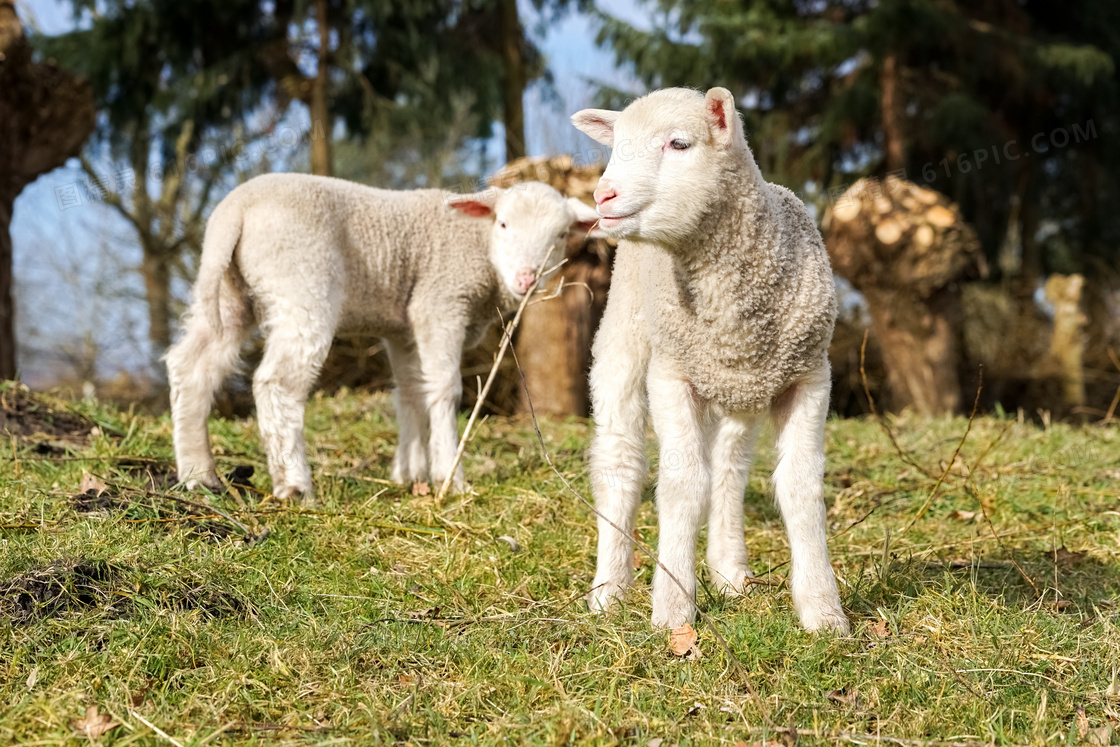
[1116, 398]
[645, 551]
[952, 459]
[507, 336]
[999, 541]
[902, 453]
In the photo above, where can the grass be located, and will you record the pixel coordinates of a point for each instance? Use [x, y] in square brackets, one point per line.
[383, 617]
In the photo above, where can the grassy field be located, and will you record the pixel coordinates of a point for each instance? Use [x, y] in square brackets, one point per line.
[381, 616]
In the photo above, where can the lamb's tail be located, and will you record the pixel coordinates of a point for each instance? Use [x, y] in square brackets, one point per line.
[223, 231]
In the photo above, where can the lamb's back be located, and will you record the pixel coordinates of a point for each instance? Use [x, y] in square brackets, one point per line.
[380, 247]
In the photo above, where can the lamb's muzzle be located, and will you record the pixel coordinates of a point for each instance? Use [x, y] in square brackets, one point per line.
[720, 311]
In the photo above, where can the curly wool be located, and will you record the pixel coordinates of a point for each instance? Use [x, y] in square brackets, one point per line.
[747, 304]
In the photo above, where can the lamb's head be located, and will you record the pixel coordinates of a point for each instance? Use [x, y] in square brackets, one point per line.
[531, 221]
[669, 152]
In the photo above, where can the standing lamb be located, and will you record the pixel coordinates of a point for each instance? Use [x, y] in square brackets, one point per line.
[721, 309]
[307, 257]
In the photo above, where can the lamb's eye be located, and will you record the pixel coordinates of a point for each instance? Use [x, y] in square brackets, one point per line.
[501, 224]
[678, 144]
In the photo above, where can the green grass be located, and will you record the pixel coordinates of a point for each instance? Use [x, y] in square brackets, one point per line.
[382, 617]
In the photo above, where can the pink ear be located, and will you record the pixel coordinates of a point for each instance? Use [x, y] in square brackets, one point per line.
[722, 117]
[719, 117]
[473, 208]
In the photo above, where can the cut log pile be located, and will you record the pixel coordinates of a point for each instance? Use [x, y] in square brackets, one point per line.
[894, 233]
[906, 249]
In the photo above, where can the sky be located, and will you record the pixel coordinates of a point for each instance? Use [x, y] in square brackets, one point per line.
[75, 282]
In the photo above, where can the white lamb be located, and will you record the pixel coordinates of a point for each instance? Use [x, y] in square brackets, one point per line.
[720, 311]
[307, 257]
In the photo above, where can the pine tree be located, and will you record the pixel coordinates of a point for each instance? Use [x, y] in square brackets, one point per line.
[953, 93]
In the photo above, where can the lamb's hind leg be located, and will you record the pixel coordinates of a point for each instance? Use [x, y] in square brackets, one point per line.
[410, 463]
[799, 417]
[296, 343]
[196, 367]
[732, 450]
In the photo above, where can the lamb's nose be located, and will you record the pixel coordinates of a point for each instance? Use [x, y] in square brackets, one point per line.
[605, 192]
[525, 279]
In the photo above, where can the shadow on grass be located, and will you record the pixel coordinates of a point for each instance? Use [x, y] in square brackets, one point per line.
[1060, 582]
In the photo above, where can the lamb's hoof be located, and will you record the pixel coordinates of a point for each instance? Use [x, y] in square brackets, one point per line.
[295, 494]
[208, 480]
[827, 619]
[673, 617]
[605, 596]
[731, 583]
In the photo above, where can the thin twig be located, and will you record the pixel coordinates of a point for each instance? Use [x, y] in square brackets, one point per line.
[507, 336]
[952, 459]
[706, 619]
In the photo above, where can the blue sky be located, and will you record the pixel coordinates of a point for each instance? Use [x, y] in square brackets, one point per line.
[74, 263]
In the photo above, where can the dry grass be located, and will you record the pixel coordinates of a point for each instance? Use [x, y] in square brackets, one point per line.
[384, 617]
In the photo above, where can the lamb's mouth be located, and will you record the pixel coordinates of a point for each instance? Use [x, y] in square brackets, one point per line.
[613, 221]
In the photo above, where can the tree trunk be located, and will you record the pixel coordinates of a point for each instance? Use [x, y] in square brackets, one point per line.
[157, 291]
[918, 338]
[554, 340]
[322, 160]
[1067, 343]
[45, 116]
[894, 145]
[513, 92]
[7, 307]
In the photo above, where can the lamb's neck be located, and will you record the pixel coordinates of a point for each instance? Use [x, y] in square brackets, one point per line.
[728, 257]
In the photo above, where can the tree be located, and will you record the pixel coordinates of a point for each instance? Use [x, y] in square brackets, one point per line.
[1005, 107]
[45, 116]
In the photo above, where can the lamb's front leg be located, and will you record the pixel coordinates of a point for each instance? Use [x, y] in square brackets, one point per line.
[683, 491]
[441, 349]
[410, 463]
[799, 417]
[732, 450]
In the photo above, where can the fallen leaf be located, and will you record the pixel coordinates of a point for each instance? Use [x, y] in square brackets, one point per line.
[963, 515]
[95, 724]
[683, 641]
[1058, 605]
[879, 629]
[1082, 722]
[92, 483]
[421, 488]
[33, 677]
[844, 696]
[1067, 558]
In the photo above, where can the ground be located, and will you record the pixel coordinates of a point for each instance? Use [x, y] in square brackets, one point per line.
[984, 609]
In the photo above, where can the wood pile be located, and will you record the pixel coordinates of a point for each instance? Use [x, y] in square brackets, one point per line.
[906, 248]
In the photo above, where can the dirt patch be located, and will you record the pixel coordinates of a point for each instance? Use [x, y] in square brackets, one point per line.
[62, 587]
[38, 419]
[70, 586]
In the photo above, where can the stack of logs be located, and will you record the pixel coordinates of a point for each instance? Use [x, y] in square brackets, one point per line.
[907, 250]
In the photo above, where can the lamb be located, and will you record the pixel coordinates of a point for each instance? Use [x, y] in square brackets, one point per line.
[309, 257]
[721, 309]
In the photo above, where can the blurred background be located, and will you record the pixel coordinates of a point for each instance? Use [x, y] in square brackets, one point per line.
[961, 159]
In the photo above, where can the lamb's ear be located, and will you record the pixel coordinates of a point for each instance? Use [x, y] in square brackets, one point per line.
[723, 119]
[586, 218]
[477, 205]
[597, 123]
